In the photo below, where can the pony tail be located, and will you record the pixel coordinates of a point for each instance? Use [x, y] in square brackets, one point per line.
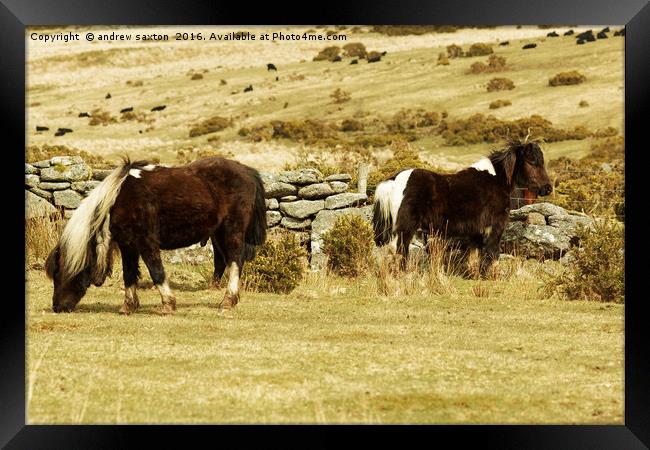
[256, 232]
[382, 220]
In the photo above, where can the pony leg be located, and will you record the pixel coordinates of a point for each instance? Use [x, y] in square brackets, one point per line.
[151, 257]
[131, 273]
[234, 250]
[403, 241]
[489, 252]
[219, 263]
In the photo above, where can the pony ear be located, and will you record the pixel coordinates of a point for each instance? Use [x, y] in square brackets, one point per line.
[52, 263]
[509, 163]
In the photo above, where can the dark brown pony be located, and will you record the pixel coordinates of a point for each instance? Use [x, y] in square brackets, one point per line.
[141, 209]
[471, 206]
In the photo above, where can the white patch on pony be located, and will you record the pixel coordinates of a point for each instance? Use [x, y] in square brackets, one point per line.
[233, 279]
[165, 292]
[397, 194]
[130, 294]
[137, 173]
[484, 164]
[149, 167]
[487, 231]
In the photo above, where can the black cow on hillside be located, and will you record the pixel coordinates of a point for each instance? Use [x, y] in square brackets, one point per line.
[248, 88]
[568, 33]
[270, 67]
[552, 34]
[527, 46]
[158, 108]
[40, 128]
[601, 35]
[337, 58]
[620, 32]
[65, 130]
[108, 95]
[354, 61]
[504, 43]
[84, 114]
[374, 59]
[125, 110]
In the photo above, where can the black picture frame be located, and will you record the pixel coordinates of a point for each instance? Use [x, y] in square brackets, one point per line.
[15, 15]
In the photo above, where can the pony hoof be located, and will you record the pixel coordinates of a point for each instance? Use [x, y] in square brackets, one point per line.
[168, 308]
[229, 301]
[128, 309]
[214, 285]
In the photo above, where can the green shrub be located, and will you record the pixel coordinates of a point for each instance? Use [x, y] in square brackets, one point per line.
[500, 84]
[403, 30]
[36, 153]
[597, 269]
[348, 246]
[567, 78]
[278, 267]
[479, 49]
[196, 76]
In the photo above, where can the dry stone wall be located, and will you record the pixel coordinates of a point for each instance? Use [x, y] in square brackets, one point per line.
[302, 201]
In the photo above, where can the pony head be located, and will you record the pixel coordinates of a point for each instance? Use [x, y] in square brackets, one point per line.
[522, 163]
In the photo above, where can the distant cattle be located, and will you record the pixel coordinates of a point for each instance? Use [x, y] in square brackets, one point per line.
[601, 35]
[84, 114]
[552, 34]
[354, 61]
[568, 33]
[248, 88]
[605, 30]
[108, 95]
[158, 108]
[580, 41]
[337, 58]
[270, 67]
[586, 36]
[374, 59]
[527, 46]
[277, 78]
[59, 133]
[383, 53]
[504, 43]
[286, 104]
[125, 110]
[65, 130]
[620, 32]
[40, 128]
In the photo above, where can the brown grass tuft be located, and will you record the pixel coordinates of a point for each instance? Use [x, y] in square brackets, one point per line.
[567, 78]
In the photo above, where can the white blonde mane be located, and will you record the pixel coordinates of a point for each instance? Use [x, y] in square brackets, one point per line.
[91, 218]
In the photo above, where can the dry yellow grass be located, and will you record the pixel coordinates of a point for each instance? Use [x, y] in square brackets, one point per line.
[332, 351]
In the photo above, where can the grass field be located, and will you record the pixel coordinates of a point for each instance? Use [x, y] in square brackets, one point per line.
[333, 351]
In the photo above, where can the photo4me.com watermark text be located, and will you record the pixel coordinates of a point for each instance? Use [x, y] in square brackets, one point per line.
[114, 36]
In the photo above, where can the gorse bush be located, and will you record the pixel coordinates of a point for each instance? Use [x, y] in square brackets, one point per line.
[479, 49]
[354, 50]
[479, 128]
[278, 267]
[567, 78]
[328, 53]
[597, 269]
[495, 64]
[500, 84]
[210, 125]
[454, 51]
[348, 246]
[36, 153]
[340, 96]
[500, 104]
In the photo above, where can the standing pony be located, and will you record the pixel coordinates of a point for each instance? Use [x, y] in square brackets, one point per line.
[472, 205]
[141, 209]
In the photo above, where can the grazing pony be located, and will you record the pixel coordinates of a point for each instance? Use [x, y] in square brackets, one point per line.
[471, 205]
[140, 209]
